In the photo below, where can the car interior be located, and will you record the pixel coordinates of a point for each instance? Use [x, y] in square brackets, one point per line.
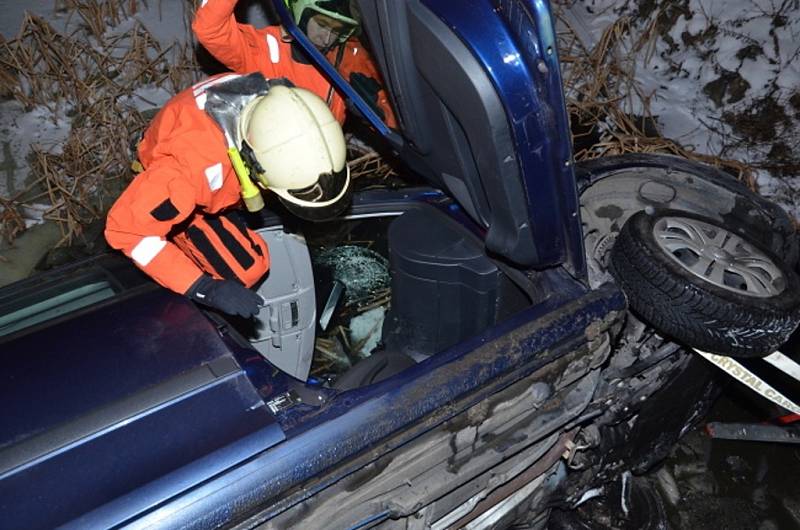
[351, 302]
[354, 301]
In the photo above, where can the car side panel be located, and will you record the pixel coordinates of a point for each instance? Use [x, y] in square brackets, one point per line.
[405, 406]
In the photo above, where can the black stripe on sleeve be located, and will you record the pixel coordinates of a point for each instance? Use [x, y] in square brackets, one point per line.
[231, 243]
[237, 220]
[203, 244]
[165, 211]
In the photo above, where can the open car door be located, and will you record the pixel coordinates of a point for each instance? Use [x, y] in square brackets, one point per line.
[477, 92]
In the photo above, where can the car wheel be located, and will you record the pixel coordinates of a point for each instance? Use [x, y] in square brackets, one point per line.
[705, 285]
[614, 188]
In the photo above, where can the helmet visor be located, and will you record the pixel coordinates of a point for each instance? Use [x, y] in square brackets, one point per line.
[326, 22]
[323, 201]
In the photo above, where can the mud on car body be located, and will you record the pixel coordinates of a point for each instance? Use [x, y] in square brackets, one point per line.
[505, 376]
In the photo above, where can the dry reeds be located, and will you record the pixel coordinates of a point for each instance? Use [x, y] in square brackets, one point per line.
[89, 77]
[333, 350]
[11, 219]
[610, 113]
[365, 162]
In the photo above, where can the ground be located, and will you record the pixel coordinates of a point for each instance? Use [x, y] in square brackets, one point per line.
[720, 79]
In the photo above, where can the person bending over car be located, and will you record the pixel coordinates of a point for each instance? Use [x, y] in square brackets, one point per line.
[332, 25]
[211, 147]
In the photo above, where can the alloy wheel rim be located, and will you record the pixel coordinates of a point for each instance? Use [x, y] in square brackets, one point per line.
[719, 256]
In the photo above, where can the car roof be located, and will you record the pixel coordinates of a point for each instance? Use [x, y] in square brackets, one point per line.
[116, 395]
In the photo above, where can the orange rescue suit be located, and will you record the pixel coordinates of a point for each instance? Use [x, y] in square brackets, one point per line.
[356, 59]
[170, 220]
[245, 49]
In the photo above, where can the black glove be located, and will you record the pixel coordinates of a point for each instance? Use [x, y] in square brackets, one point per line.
[368, 88]
[226, 295]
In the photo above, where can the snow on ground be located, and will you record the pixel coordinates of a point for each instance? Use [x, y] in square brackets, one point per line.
[18, 131]
[167, 21]
[163, 18]
[722, 78]
[14, 12]
[20, 128]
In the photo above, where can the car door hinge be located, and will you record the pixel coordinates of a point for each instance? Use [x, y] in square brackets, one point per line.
[283, 401]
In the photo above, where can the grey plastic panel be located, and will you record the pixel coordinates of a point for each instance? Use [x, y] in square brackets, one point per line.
[285, 332]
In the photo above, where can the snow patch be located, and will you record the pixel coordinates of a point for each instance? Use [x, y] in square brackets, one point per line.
[19, 130]
[33, 214]
[720, 78]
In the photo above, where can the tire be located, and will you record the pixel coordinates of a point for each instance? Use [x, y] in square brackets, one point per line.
[734, 298]
[612, 188]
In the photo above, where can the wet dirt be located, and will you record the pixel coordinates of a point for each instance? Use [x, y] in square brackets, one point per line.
[733, 484]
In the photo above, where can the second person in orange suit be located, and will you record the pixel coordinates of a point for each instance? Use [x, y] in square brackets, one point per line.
[243, 49]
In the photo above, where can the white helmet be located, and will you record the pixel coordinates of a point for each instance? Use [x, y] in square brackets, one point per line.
[299, 151]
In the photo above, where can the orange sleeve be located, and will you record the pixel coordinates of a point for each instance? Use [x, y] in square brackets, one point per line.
[235, 45]
[139, 221]
[245, 49]
[338, 107]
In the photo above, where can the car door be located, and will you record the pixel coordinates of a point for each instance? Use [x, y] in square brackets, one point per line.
[477, 92]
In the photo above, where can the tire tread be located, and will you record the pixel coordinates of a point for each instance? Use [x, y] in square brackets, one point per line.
[689, 313]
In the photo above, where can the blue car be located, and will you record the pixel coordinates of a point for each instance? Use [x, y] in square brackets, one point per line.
[518, 346]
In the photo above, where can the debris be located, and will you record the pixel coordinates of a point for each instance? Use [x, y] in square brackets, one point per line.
[589, 494]
[668, 485]
[752, 432]
[363, 272]
[364, 161]
[365, 331]
[624, 498]
[87, 81]
[329, 356]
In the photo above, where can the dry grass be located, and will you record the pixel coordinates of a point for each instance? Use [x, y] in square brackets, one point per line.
[365, 162]
[11, 219]
[333, 350]
[88, 75]
[608, 108]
